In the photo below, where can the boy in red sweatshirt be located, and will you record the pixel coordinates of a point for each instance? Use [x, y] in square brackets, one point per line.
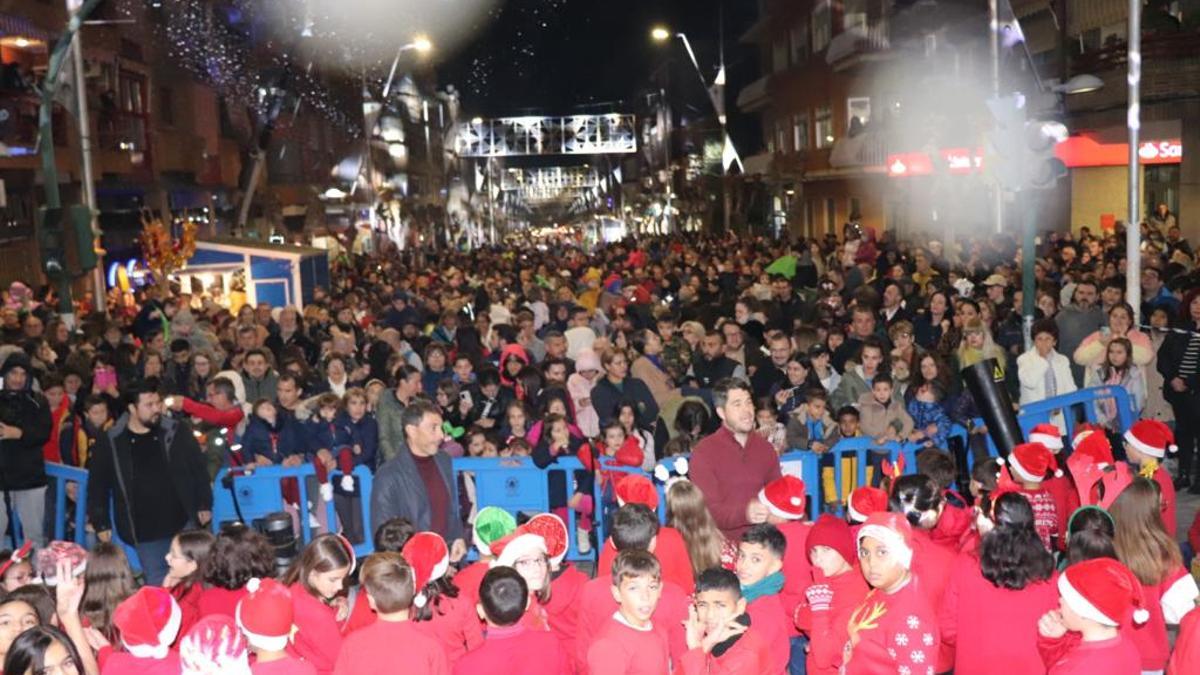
[566, 581]
[719, 638]
[391, 644]
[1081, 637]
[759, 568]
[628, 643]
[1029, 463]
[509, 646]
[1146, 443]
[784, 498]
[634, 528]
[492, 524]
[837, 589]
[265, 618]
[669, 547]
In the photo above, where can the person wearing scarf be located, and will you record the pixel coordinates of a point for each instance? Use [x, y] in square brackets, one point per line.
[759, 569]
[719, 634]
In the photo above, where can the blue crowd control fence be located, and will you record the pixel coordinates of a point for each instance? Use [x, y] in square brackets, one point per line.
[60, 475]
[1083, 402]
[606, 500]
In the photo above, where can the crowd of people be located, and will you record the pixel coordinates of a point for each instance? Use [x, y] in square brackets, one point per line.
[726, 353]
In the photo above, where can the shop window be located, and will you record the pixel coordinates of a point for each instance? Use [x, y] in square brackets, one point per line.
[1162, 187]
[800, 132]
[823, 125]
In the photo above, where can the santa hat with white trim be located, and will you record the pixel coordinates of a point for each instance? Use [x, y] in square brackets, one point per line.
[1031, 461]
[1152, 438]
[265, 614]
[429, 558]
[784, 497]
[864, 501]
[1083, 430]
[214, 645]
[516, 546]
[1103, 590]
[553, 532]
[491, 523]
[148, 622]
[1097, 447]
[1048, 435]
[894, 531]
[633, 488]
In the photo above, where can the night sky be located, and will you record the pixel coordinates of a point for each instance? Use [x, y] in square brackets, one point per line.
[560, 56]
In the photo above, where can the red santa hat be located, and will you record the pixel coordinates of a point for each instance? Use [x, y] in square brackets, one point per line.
[636, 489]
[518, 545]
[18, 556]
[148, 622]
[1151, 437]
[1031, 461]
[1084, 430]
[429, 558]
[1048, 435]
[1096, 447]
[864, 501]
[214, 645]
[553, 532]
[630, 453]
[831, 531]
[265, 614]
[784, 497]
[1103, 590]
[894, 531]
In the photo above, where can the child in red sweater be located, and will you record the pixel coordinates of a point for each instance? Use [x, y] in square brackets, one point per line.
[438, 610]
[670, 547]
[894, 629]
[634, 528]
[1081, 637]
[184, 578]
[525, 552]
[566, 581]
[719, 639]
[760, 570]
[628, 643]
[1029, 463]
[392, 644]
[1061, 488]
[238, 555]
[265, 616]
[511, 647]
[390, 537]
[1146, 443]
[837, 589]
[315, 581]
[148, 622]
[492, 523]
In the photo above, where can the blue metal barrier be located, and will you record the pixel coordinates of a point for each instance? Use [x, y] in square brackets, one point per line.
[259, 491]
[60, 474]
[1042, 412]
[609, 466]
[366, 485]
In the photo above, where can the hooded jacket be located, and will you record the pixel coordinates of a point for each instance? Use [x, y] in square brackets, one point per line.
[22, 462]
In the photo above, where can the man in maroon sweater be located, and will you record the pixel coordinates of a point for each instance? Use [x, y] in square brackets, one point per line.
[732, 464]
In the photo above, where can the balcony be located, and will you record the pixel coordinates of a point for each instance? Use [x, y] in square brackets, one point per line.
[857, 45]
[754, 96]
[867, 149]
[1156, 48]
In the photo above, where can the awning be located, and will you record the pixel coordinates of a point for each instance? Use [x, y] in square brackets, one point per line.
[19, 26]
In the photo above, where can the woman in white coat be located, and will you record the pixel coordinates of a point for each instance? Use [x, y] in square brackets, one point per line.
[1042, 371]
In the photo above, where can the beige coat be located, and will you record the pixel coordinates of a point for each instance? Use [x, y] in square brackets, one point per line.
[656, 379]
[874, 418]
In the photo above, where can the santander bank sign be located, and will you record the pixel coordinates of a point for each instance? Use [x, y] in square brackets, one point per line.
[1168, 151]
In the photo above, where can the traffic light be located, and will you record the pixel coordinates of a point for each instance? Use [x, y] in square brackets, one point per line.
[1004, 149]
[80, 222]
[51, 241]
[66, 239]
[1044, 168]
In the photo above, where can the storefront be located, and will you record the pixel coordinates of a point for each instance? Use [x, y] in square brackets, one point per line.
[233, 272]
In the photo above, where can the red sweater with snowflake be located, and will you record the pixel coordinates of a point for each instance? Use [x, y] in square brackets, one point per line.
[974, 611]
[797, 570]
[1066, 500]
[453, 624]
[1046, 519]
[893, 633]
[826, 628]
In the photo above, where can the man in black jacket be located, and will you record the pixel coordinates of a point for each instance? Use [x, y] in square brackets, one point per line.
[418, 482]
[152, 470]
[24, 429]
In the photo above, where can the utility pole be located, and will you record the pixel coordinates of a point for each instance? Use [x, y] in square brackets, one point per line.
[1133, 230]
[994, 48]
[85, 150]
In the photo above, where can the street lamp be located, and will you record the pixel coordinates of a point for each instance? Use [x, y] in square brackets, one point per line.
[660, 34]
[1080, 84]
[420, 44]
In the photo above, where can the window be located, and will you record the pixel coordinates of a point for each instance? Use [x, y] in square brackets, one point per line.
[859, 107]
[800, 132]
[823, 126]
[830, 214]
[822, 26]
[854, 15]
[771, 143]
[166, 106]
[781, 134]
[799, 43]
[779, 55]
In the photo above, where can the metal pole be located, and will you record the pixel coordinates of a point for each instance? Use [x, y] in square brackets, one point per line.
[1028, 258]
[1133, 254]
[89, 178]
[994, 48]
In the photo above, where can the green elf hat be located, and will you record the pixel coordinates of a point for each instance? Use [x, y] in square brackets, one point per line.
[491, 523]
